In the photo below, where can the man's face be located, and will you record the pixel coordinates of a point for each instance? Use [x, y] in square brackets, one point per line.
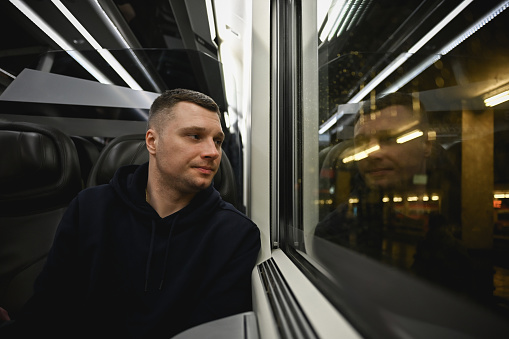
[394, 165]
[188, 148]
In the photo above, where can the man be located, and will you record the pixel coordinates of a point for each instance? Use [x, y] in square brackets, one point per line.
[155, 251]
[403, 186]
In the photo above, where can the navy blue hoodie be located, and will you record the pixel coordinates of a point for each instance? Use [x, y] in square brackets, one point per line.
[118, 269]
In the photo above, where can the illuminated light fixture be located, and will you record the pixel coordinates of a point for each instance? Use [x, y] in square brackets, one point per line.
[346, 20]
[409, 136]
[122, 40]
[227, 121]
[413, 198]
[110, 59]
[501, 196]
[334, 20]
[210, 16]
[7, 73]
[39, 22]
[361, 155]
[381, 77]
[329, 123]
[432, 135]
[353, 201]
[397, 199]
[385, 199]
[447, 48]
[425, 198]
[439, 27]
[497, 99]
[435, 197]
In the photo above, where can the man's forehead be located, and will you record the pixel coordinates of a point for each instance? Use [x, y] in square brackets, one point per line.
[198, 120]
[389, 118]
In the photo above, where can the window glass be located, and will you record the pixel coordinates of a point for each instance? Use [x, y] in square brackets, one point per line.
[412, 148]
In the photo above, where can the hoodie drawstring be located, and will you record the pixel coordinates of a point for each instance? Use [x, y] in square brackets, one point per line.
[167, 252]
[151, 250]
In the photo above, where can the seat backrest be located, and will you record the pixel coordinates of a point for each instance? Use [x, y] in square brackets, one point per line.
[88, 154]
[39, 176]
[131, 150]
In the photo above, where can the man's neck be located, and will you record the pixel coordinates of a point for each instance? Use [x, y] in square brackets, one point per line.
[164, 200]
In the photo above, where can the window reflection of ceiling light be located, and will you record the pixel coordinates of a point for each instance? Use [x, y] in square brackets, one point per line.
[361, 155]
[447, 48]
[409, 136]
[334, 18]
[27, 11]
[497, 99]
[403, 57]
[110, 59]
[439, 27]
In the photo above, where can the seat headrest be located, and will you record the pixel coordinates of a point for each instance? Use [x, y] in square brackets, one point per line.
[39, 168]
[121, 151]
[131, 150]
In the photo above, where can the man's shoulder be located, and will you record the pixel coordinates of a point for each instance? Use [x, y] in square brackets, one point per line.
[231, 211]
[96, 195]
[230, 220]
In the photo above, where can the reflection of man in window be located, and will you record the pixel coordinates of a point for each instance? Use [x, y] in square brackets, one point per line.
[393, 162]
[404, 203]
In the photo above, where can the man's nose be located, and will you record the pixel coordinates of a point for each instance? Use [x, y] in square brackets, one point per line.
[211, 149]
[374, 148]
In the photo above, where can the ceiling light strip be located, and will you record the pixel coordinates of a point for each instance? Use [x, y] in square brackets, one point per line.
[27, 11]
[447, 48]
[339, 11]
[7, 73]
[114, 29]
[110, 59]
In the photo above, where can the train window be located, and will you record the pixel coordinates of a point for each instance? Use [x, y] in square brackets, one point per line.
[402, 210]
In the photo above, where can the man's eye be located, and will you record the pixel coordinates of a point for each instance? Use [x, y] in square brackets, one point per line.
[219, 142]
[194, 136]
[360, 141]
[388, 139]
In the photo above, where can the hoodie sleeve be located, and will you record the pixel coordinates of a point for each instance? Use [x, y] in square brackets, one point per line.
[231, 293]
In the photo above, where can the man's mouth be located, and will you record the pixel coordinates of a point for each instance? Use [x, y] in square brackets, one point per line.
[205, 169]
[379, 171]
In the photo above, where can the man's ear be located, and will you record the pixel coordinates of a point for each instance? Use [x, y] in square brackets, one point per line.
[151, 141]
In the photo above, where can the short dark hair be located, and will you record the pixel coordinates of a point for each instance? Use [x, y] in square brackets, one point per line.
[412, 103]
[165, 102]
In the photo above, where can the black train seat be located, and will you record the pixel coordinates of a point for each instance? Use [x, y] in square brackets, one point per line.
[39, 176]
